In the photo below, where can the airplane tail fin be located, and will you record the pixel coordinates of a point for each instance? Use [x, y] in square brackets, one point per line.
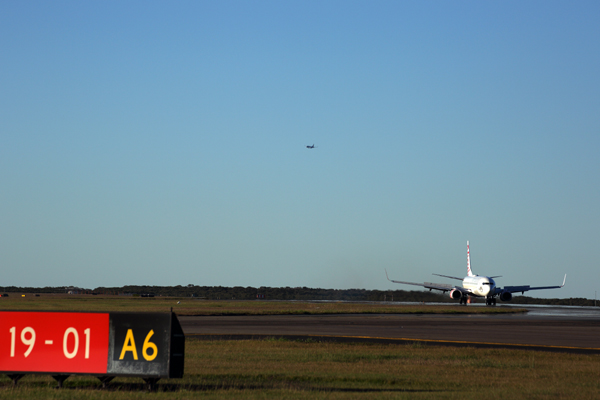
[469, 272]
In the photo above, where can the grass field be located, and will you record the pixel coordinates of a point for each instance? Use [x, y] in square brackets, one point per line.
[275, 369]
[187, 306]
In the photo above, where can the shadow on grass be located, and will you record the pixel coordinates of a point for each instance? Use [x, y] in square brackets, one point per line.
[224, 386]
[251, 387]
[296, 387]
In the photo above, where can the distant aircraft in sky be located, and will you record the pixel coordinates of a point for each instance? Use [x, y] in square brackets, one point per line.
[477, 286]
[311, 147]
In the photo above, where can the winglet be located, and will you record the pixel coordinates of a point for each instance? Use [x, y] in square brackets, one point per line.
[564, 280]
[386, 275]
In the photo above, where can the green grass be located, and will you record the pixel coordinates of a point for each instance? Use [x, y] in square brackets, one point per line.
[187, 306]
[278, 368]
[274, 369]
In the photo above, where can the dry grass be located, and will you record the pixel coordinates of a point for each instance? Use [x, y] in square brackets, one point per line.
[187, 306]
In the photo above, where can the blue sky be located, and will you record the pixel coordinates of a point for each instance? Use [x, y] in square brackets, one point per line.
[163, 143]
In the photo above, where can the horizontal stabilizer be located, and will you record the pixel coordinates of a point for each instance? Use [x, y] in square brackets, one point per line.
[427, 285]
[451, 277]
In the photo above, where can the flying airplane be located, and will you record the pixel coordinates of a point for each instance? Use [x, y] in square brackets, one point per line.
[477, 286]
[311, 147]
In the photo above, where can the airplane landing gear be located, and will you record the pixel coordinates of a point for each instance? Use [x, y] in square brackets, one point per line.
[490, 301]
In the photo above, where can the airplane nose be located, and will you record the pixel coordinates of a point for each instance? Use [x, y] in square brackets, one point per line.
[486, 289]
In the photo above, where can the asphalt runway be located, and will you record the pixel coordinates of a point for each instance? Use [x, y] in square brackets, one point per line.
[552, 328]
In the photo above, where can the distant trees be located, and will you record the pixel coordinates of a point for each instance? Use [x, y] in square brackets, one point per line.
[284, 293]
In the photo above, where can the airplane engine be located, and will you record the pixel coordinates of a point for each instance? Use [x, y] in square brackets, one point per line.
[505, 296]
[455, 294]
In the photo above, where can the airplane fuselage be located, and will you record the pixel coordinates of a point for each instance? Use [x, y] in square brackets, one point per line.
[479, 285]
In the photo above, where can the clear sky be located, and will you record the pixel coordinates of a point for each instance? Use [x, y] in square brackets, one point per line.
[164, 143]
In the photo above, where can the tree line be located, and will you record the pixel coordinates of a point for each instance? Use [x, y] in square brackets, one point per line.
[282, 293]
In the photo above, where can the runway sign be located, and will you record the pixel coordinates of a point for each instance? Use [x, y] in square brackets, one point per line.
[148, 345]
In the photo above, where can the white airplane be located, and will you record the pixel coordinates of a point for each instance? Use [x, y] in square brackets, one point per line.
[477, 286]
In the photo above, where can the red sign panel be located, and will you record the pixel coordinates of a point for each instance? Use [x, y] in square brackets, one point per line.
[54, 342]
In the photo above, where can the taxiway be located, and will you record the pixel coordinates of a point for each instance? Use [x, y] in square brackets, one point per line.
[557, 329]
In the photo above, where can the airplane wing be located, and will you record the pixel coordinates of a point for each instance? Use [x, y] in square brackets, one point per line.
[525, 288]
[427, 285]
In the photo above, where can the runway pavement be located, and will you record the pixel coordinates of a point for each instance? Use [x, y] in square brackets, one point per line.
[553, 328]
